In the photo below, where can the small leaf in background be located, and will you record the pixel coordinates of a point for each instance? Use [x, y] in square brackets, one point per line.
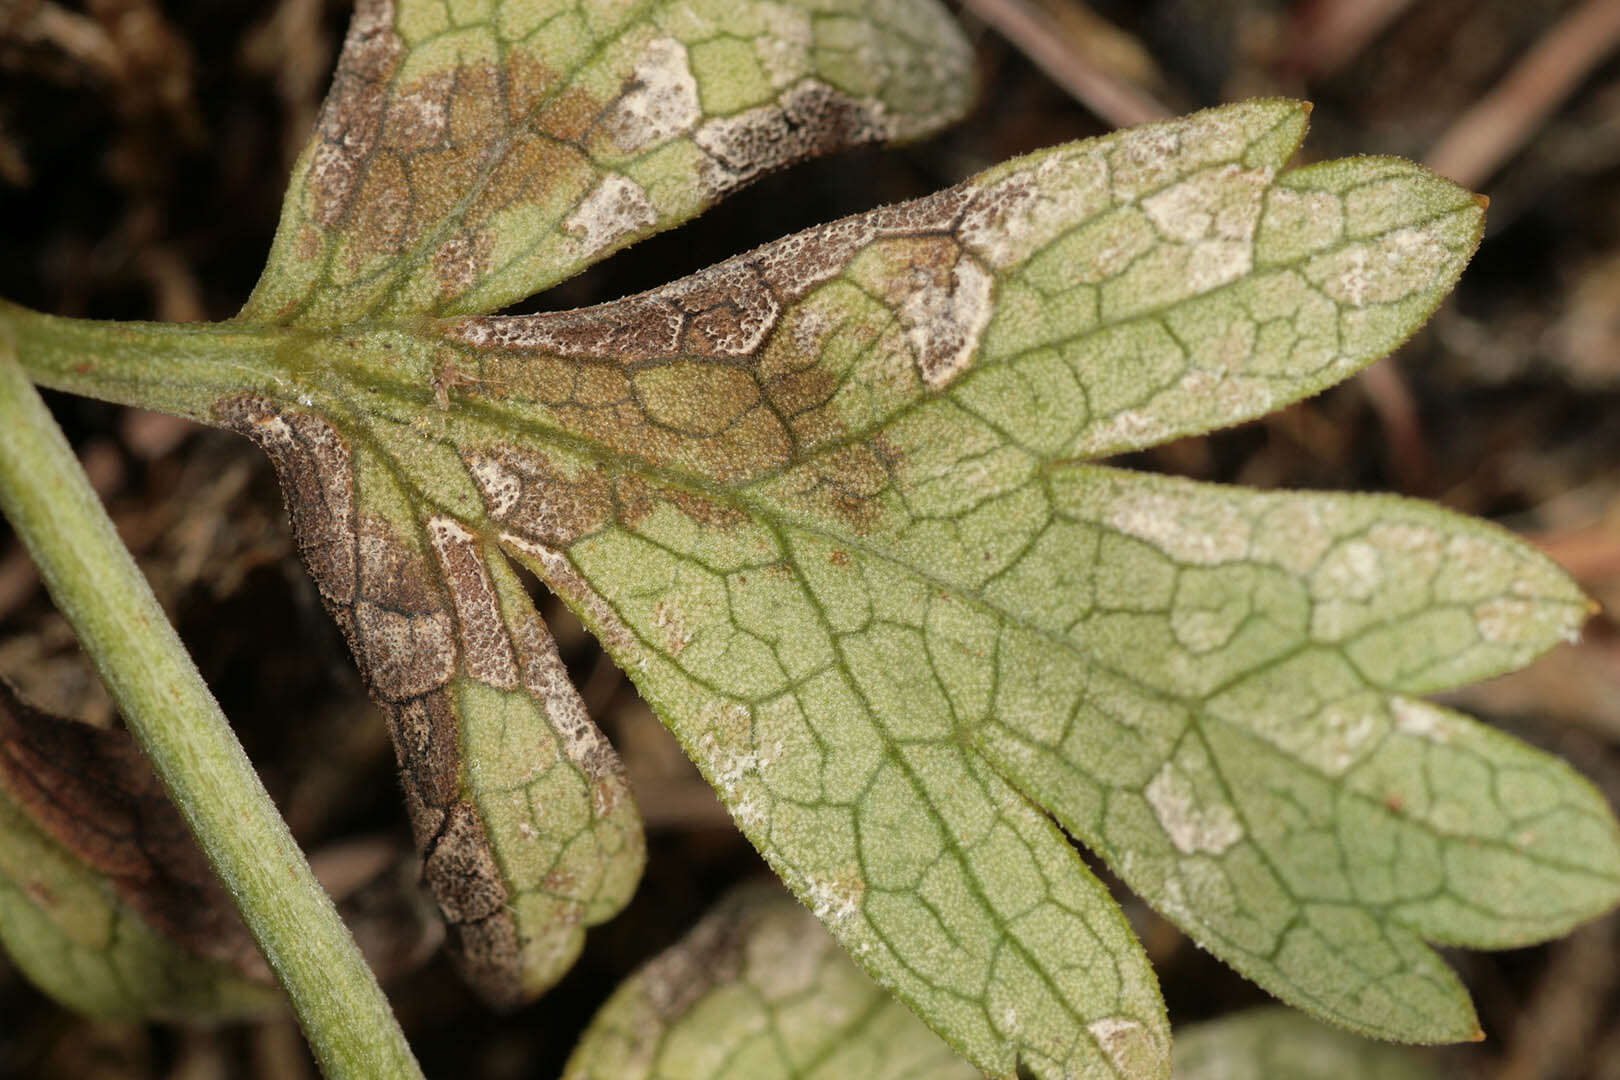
[1280, 1044]
[105, 900]
[758, 991]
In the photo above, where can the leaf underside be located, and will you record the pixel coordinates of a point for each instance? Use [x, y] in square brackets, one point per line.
[473, 152]
[828, 504]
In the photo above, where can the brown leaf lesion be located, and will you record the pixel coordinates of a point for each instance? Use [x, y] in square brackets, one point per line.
[379, 588]
[486, 650]
[384, 593]
[459, 867]
[421, 610]
[403, 629]
[351, 122]
[534, 494]
[721, 372]
[808, 120]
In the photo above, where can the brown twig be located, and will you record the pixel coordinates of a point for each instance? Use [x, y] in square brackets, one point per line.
[1397, 410]
[1490, 132]
[1331, 33]
[1566, 1008]
[1040, 37]
[1589, 555]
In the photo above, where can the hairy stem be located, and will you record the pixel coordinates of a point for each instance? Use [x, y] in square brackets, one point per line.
[96, 584]
[179, 368]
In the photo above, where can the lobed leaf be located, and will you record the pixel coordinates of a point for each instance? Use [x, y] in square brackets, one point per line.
[822, 502]
[828, 504]
[105, 901]
[472, 153]
[1279, 1044]
[825, 504]
[757, 991]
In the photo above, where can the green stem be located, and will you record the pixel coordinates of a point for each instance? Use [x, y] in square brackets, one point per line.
[96, 584]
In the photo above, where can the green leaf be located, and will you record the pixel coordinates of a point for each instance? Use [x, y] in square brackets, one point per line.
[757, 991]
[105, 901]
[828, 505]
[822, 503]
[474, 152]
[1277, 1044]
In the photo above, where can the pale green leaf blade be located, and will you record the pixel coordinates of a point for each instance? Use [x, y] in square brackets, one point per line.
[525, 822]
[810, 496]
[1280, 1044]
[963, 899]
[471, 154]
[758, 991]
[1219, 707]
[820, 502]
[106, 903]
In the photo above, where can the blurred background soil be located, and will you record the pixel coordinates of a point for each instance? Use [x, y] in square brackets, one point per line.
[143, 148]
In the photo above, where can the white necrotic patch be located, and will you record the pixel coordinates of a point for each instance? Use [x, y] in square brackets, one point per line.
[1509, 621]
[421, 118]
[547, 679]
[660, 102]
[616, 207]
[500, 486]
[1189, 530]
[1352, 571]
[563, 578]
[834, 901]
[784, 48]
[1130, 1045]
[1424, 721]
[1193, 827]
[1133, 427]
[1386, 270]
[943, 325]
[1341, 736]
[1233, 397]
[671, 621]
[1017, 216]
[1214, 215]
[448, 532]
